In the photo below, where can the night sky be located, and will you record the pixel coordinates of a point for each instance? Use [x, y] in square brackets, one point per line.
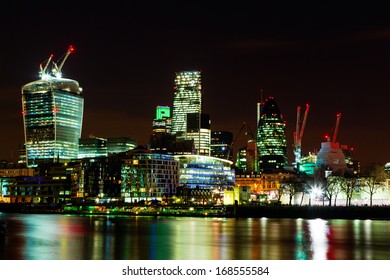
[335, 58]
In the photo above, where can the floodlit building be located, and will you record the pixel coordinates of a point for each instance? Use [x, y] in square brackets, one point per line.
[271, 139]
[204, 172]
[52, 117]
[331, 157]
[147, 176]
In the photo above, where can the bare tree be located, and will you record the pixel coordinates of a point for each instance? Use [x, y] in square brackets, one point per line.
[290, 186]
[348, 187]
[374, 179]
[333, 188]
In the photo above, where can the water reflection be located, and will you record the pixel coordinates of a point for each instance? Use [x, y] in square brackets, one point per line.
[60, 237]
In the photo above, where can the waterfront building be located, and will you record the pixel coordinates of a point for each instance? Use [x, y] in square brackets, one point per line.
[147, 177]
[117, 145]
[51, 183]
[100, 178]
[52, 118]
[92, 147]
[240, 194]
[8, 175]
[271, 139]
[187, 99]
[263, 187]
[204, 172]
[221, 145]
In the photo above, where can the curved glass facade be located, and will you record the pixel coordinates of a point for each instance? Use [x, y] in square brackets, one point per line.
[52, 116]
[204, 172]
[271, 139]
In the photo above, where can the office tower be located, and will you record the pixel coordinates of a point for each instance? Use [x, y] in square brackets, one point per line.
[198, 129]
[241, 160]
[187, 99]
[52, 117]
[92, 147]
[162, 122]
[271, 139]
[221, 145]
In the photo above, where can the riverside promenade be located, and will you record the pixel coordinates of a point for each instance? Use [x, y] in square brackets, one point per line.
[228, 211]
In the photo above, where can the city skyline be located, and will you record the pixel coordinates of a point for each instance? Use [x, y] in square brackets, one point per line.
[126, 64]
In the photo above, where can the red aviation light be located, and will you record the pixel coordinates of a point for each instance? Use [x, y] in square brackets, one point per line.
[55, 110]
[71, 49]
[23, 112]
[327, 137]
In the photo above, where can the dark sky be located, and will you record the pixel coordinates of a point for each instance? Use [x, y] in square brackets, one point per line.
[336, 58]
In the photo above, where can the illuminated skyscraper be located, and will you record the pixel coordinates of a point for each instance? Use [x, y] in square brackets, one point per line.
[52, 117]
[271, 139]
[187, 99]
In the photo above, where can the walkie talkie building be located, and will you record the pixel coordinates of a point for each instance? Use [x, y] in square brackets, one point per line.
[52, 117]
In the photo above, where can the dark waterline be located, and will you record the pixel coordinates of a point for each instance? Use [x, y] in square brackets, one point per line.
[67, 237]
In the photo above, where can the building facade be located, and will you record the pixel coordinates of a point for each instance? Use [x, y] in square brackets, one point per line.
[221, 145]
[187, 99]
[162, 122]
[148, 177]
[52, 117]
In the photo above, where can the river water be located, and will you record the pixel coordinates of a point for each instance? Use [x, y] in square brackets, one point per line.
[72, 237]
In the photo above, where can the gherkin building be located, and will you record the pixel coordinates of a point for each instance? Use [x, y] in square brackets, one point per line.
[271, 139]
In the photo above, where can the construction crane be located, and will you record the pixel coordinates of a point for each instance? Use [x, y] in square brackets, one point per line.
[244, 124]
[42, 72]
[57, 69]
[336, 129]
[234, 140]
[298, 134]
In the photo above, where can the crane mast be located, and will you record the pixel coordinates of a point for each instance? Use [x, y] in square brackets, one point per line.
[42, 73]
[57, 69]
[336, 129]
[298, 134]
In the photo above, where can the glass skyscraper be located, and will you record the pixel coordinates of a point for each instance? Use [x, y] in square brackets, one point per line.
[52, 117]
[187, 99]
[271, 139]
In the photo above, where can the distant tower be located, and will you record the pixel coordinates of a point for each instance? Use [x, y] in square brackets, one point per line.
[198, 129]
[271, 139]
[162, 123]
[52, 116]
[187, 99]
[221, 145]
[331, 156]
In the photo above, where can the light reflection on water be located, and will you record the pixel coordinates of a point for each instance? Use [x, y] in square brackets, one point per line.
[61, 237]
